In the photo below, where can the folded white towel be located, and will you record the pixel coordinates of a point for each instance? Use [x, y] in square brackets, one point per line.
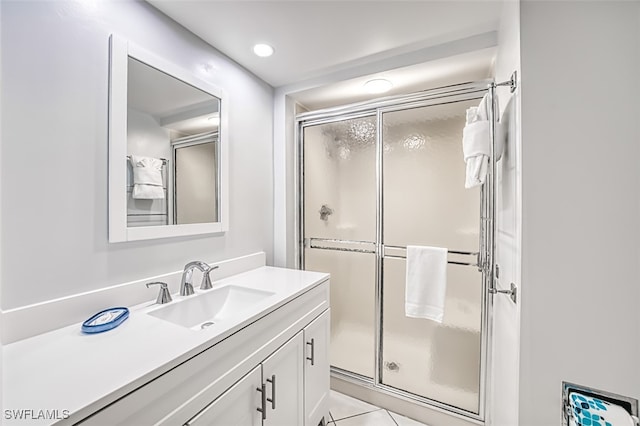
[147, 192]
[147, 177]
[476, 143]
[426, 282]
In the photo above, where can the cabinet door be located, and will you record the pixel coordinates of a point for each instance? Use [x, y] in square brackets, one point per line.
[316, 370]
[238, 406]
[283, 375]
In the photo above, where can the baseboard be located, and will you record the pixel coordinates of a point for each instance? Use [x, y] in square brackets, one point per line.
[431, 416]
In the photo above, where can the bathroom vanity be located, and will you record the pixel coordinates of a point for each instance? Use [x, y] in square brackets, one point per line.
[262, 359]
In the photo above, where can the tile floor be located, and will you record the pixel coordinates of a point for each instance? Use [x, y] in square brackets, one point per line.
[348, 411]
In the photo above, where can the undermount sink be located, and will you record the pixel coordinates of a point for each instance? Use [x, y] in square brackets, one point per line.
[205, 309]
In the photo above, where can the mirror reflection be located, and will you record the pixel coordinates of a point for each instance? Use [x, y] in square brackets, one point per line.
[172, 150]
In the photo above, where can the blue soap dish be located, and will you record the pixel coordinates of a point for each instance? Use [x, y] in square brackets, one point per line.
[105, 320]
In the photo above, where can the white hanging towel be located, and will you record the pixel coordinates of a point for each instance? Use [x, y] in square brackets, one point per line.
[147, 177]
[426, 282]
[476, 143]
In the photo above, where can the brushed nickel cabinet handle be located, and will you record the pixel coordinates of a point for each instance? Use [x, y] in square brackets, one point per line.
[312, 357]
[272, 400]
[263, 391]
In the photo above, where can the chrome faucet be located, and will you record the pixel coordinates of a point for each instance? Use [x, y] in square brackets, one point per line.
[186, 286]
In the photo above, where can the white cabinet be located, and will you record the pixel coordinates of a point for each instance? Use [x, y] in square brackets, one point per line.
[276, 392]
[316, 370]
[236, 407]
[222, 385]
[283, 377]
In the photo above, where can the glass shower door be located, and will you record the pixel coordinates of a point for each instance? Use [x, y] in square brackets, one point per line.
[340, 232]
[425, 203]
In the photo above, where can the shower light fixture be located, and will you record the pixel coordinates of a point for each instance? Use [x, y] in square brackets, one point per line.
[378, 85]
[263, 50]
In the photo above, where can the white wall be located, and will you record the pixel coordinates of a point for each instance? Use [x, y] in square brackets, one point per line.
[285, 181]
[502, 403]
[581, 202]
[54, 149]
[1, 267]
[146, 137]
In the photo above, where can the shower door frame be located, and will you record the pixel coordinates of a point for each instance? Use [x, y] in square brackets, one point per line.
[447, 94]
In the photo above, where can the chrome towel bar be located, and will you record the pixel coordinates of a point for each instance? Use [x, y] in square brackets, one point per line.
[466, 253]
[452, 262]
[361, 247]
[164, 160]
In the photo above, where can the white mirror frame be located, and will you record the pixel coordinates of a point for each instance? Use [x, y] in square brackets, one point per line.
[120, 51]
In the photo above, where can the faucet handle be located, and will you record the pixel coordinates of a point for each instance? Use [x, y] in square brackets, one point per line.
[163, 296]
[206, 278]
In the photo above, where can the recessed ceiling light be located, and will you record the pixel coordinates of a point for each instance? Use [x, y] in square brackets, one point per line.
[378, 85]
[263, 50]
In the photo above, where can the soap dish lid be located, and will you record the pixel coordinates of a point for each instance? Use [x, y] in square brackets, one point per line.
[105, 320]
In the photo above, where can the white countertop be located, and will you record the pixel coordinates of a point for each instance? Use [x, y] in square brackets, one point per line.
[68, 370]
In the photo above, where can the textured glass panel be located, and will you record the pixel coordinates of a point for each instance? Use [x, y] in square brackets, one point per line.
[352, 306]
[339, 180]
[437, 361]
[425, 202]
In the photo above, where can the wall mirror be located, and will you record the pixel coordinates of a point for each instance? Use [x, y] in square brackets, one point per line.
[167, 149]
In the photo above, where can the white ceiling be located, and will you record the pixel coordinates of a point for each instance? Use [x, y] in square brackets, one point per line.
[321, 43]
[172, 103]
[462, 68]
[158, 94]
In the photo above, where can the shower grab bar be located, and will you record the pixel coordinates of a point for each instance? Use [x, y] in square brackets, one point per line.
[309, 243]
[354, 250]
[336, 240]
[164, 160]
